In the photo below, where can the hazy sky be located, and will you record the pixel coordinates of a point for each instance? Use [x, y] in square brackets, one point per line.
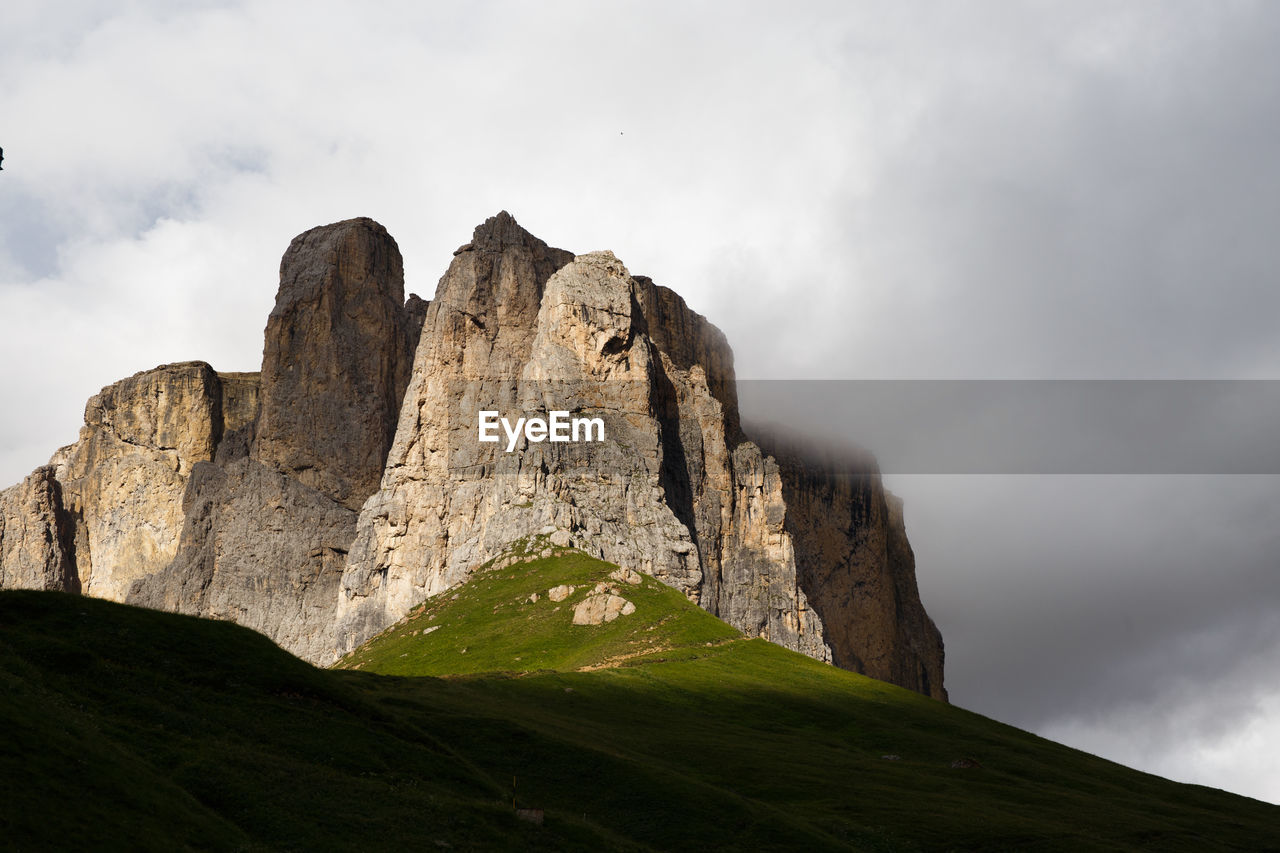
[877, 190]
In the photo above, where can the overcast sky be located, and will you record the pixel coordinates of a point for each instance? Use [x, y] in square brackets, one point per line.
[877, 190]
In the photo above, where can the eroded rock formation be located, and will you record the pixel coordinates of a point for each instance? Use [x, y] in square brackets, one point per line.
[36, 547]
[116, 493]
[853, 559]
[779, 550]
[321, 502]
[336, 361]
[123, 480]
[267, 525]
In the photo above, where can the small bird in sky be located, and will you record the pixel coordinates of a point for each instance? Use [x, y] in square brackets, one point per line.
[1, 159]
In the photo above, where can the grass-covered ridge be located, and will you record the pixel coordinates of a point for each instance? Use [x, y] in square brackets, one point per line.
[505, 620]
[133, 729]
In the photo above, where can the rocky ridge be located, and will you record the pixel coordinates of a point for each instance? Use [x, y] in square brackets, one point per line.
[322, 499]
[268, 524]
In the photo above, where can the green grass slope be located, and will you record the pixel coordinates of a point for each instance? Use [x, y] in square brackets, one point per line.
[504, 620]
[129, 729]
[133, 729]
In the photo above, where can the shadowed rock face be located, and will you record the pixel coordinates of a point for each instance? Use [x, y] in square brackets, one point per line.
[36, 536]
[260, 548]
[853, 558]
[336, 360]
[323, 500]
[267, 526]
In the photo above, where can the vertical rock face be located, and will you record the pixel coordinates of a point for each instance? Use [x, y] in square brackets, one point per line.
[522, 329]
[322, 499]
[239, 400]
[591, 357]
[123, 480]
[267, 527]
[476, 337]
[758, 588]
[812, 558]
[336, 360]
[118, 490]
[259, 548]
[36, 536]
[853, 559]
[917, 659]
[688, 342]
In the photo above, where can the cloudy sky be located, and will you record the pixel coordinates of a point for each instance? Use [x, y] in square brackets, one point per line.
[875, 190]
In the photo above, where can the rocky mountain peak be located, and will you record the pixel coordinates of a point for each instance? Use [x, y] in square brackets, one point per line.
[352, 255]
[585, 322]
[500, 232]
[336, 360]
[320, 501]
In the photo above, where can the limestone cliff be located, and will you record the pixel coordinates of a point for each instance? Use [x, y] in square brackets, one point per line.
[267, 525]
[111, 503]
[36, 547]
[853, 558]
[336, 360]
[123, 480]
[260, 548]
[322, 499]
[476, 337]
[812, 559]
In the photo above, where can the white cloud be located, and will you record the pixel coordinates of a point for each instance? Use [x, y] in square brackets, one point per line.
[1170, 739]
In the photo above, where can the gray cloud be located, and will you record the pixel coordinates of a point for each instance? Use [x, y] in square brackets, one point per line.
[1136, 615]
[850, 190]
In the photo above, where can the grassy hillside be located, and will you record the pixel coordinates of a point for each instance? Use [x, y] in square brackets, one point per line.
[139, 730]
[504, 620]
[129, 729]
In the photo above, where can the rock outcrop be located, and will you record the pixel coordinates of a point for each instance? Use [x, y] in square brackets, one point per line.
[601, 607]
[677, 491]
[336, 361]
[269, 523]
[234, 495]
[450, 502]
[758, 587]
[123, 480]
[418, 535]
[853, 560]
[37, 550]
[322, 499]
[117, 492]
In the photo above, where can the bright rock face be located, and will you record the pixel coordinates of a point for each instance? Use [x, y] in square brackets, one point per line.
[476, 337]
[449, 502]
[323, 501]
[121, 484]
[676, 491]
